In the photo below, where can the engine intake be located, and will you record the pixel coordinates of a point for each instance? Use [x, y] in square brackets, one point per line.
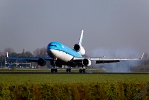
[41, 62]
[86, 62]
[79, 49]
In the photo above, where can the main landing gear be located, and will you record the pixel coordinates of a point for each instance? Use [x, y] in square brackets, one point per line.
[82, 70]
[53, 70]
[68, 70]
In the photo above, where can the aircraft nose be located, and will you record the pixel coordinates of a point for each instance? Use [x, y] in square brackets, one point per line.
[51, 52]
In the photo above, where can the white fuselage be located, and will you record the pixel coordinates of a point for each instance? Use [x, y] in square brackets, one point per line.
[60, 55]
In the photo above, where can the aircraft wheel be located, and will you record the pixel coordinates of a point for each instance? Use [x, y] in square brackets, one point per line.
[52, 70]
[68, 70]
[83, 71]
[80, 70]
[55, 70]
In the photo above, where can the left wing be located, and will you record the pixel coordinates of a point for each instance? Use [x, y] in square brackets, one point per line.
[30, 59]
[106, 60]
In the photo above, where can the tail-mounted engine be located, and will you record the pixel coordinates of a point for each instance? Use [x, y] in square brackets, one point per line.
[79, 49]
[41, 62]
[86, 62]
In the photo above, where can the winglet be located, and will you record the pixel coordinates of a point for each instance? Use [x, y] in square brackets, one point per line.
[81, 37]
[142, 56]
[7, 55]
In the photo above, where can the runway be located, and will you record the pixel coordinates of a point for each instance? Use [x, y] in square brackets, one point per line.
[61, 71]
[21, 72]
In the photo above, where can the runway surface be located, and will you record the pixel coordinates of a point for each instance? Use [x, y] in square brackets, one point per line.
[19, 72]
[61, 71]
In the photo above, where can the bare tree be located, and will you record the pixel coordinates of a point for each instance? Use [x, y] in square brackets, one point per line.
[10, 50]
[36, 52]
[43, 51]
[40, 52]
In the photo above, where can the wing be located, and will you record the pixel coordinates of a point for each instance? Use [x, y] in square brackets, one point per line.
[31, 59]
[111, 60]
[106, 60]
[22, 58]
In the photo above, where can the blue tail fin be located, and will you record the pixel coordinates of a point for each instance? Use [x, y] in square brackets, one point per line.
[81, 37]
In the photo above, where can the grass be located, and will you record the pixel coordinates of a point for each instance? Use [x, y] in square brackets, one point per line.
[71, 78]
[74, 86]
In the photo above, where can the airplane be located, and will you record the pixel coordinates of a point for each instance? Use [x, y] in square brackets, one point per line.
[59, 54]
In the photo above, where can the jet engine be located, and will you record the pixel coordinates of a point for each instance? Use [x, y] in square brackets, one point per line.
[79, 48]
[86, 62]
[41, 62]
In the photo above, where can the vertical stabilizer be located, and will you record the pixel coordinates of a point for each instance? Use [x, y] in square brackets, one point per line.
[81, 37]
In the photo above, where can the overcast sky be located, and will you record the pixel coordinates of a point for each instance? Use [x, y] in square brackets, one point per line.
[109, 24]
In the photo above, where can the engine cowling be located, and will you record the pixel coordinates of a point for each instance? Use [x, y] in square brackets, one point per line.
[41, 62]
[86, 62]
[79, 49]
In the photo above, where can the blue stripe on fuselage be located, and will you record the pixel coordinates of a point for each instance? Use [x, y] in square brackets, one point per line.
[63, 48]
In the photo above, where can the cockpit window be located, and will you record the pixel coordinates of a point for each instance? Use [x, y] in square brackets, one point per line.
[52, 45]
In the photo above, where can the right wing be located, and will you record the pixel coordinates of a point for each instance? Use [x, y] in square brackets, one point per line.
[106, 60]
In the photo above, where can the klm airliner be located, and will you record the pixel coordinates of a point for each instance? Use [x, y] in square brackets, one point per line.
[60, 54]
